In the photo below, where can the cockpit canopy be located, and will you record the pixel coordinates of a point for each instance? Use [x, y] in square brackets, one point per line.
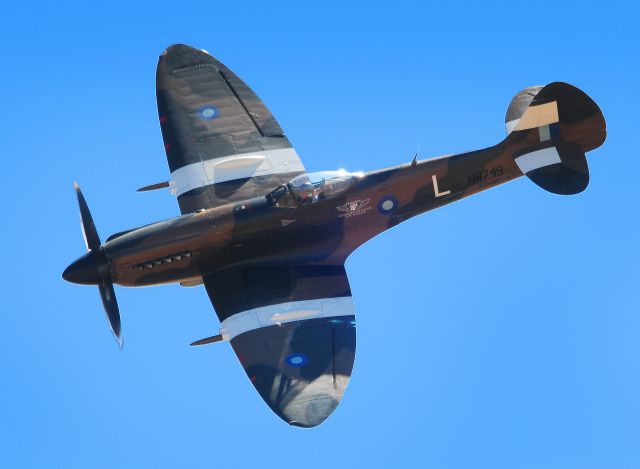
[310, 188]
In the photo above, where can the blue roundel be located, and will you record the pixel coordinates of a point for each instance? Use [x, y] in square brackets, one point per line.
[387, 204]
[297, 360]
[208, 112]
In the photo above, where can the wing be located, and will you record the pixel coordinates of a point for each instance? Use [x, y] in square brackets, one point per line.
[293, 330]
[222, 143]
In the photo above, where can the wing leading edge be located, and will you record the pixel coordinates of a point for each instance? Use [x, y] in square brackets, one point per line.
[293, 330]
[222, 143]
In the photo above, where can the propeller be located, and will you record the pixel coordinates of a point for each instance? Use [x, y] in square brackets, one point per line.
[93, 269]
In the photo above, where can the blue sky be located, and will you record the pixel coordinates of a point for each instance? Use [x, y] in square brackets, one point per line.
[502, 331]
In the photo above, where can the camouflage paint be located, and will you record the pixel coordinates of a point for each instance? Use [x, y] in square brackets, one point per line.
[251, 252]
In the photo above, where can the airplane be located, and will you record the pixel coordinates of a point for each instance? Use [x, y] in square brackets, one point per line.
[269, 240]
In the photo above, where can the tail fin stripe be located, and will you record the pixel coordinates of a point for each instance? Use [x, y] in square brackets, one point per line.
[539, 115]
[511, 125]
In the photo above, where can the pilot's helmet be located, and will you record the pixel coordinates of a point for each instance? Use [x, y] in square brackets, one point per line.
[305, 191]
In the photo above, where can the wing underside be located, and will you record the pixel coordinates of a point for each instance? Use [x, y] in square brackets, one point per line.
[222, 143]
[293, 330]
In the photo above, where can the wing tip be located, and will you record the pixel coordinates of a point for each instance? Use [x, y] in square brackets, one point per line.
[184, 51]
[179, 57]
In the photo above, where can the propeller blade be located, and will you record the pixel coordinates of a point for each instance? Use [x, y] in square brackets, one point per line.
[111, 309]
[92, 268]
[91, 238]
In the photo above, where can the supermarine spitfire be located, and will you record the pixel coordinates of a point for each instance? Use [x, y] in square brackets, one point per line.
[269, 240]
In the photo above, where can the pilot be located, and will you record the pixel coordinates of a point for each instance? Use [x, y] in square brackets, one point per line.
[306, 193]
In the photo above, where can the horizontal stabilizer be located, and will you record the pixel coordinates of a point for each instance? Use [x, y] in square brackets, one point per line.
[560, 169]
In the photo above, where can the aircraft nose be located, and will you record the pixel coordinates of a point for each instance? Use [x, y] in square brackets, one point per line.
[86, 270]
[301, 369]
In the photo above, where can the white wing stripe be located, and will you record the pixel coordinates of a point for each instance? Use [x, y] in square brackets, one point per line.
[234, 167]
[282, 313]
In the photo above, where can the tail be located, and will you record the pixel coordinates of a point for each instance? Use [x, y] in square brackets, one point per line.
[555, 126]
